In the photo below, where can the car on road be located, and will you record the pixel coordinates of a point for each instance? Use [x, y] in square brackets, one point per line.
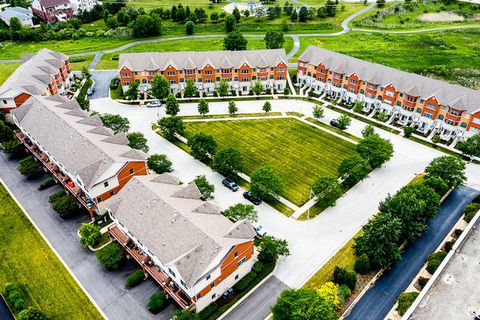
[230, 184]
[90, 91]
[334, 123]
[250, 197]
[154, 104]
[258, 228]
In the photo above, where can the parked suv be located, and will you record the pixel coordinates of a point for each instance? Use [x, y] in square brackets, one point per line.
[154, 104]
[90, 91]
[250, 197]
[334, 123]
[230, 184]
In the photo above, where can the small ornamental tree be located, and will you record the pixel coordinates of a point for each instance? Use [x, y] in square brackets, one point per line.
[170, 126]
[362, 264]
[12, 147]
[265, 183]
[274, 39]
[189, 27]
[406, 299]
[343, 122]
[28, 167]
[172, 107]
[235, 41]
[303, 304]
[271, 248]
[32, 313]
[132, 91]
[408, 131]
[160, 87]
[450, 169]
[368, 131]
[375, 150]
[185, 314]
[137, 140]
[89, 234]
[190, 89]
[115, 122]
[257, 87]
[241, 211]
[203, 107]
[436, 184]
[206, 189]
[267, 107]
[223, 88]
[158, 301]
[159, 163]
[230, 23]
[111, 257]
[65, 206]
[318, 112]
[327, 190]
[344, 276]
[352, 170]
[135, 278]
[232, 107]
[6, 133]
[228, 162]
[203, 146]
[329, 292]
[471, 146]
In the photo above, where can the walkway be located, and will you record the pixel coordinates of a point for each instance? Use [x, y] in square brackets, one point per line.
[380, 299]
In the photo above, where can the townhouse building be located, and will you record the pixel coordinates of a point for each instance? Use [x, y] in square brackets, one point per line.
[24, 15]
[43, 74]
[185, 244]
[82, 5]
[52, 11]
[431, 106]
[88, 159]
[239, 68]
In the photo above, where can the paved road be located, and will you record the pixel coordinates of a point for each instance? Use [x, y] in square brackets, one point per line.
[257, 305]
[106, 288]
[102, 83]
[378, 301]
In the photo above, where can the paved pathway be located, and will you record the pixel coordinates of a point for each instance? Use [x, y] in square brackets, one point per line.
[380, 299]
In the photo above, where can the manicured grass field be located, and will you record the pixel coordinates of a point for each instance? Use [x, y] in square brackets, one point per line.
[450, 55]
[298, 152]
[27, 260]
[6, 69]
[110, 60]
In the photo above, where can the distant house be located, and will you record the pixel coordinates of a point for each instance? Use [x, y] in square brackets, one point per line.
[24, 15]
[82, 5]
[52, 10]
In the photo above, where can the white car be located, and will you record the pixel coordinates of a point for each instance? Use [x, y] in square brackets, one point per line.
[154, 104]
[258, 228]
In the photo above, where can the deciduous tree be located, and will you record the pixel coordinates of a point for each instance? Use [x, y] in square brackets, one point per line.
[115, 122]
[160, 87]
[203, 107]
[170, 126]
[318, 112]
[235, 41]
[450, 169]
[172, 107]
[203, 146]
[267, 107]
[89, 234]
[303, 304]
[206, 189]
[190, 89]
[270, 248]
[232, 107]
[375, 150]
[241, 211]
[327, 190]
[274, 39]
[265, 183]
[228, 162]
[159, 163]
[137, 140]
[352, 170]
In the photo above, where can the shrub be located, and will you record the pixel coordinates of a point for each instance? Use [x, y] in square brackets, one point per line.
[208, 311]
[89, 234]
[111, 257]
[436, 138]
[472, 208]
[114, 83]
[57, 195]
[245, 281]
[258, 266]
[362, 264]
[14, 297]
[457, 232]
[405, 300]
[47, 183]
[32, 314]
[28, 167]
[422, 282]
[158, 302]
[469, 216]
[135, 278]
[408, 131]
[434, 260]
[436, 184]
[345, 276]
[65, 206]
[448, 245]
[343, 293]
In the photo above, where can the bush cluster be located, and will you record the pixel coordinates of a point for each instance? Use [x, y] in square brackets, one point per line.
[245, 281]
[422, 282]
[47, 183]
[345, 276]
[434, 260]
[405, 300]
[135, 278]
[111, 257]
[206, 313]
[16, 299]
[362, 264]
[158, 301]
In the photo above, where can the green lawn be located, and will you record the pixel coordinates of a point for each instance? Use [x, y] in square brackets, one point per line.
[78, 63]
[6, 69]
[449, 55]
[110, 60]
[298, 152]
[27, 260]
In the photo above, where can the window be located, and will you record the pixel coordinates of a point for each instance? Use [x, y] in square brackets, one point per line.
[430, 106]
[245, 79]
[254, 78]
[208, 80]
[199, 296]
[199, 80]
[112, 193]
[144, 81]
[235, 254]
[353, 81]
[244, 71]
[125, 75]
[280, 78]
[172, 81]
[463, 125]
[208, 72]
[236, 277]
[183, 283]
[171, 272]
[212, 285]
[105, 184]
[207, 277]
[281, 69]
[131, 171]
[4, 101]
[244, 259]
[189, 71]
[127, 83]
[151, 73]
[213, 296]
[419, 110]
[99, 199]
[428, 115]
[135, 73]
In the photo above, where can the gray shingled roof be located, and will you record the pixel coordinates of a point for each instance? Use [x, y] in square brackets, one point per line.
[33, 75]
[173, 229]
[192, 59]
[68, 135]
[417, 85]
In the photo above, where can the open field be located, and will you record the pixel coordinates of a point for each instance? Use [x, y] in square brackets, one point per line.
[449, 55]
[78, 63]
[298, 152]
[110, 60]
[28, 261]
[6, 69]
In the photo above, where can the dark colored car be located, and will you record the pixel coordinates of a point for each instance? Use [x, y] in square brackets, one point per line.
[250, 197]
[334, 123]
[230, 184]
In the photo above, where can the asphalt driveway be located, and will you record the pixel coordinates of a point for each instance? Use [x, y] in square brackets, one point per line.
[102, 83]
[378, 301]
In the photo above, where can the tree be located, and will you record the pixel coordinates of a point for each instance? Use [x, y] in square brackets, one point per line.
[232, 108]
[327, 190]
[436, 184]
[236, 14]
[270, 248]
[89, 234]
[160, 87]
[450, 169]
[159, 163]
[203, 107]
[147, 25]
[190, 88]
[86, 74]
[330, 8]
[362, 264]
[203, 146]
[170, 126]
[185, 315]
[303, 304]
[265, 183]
[132, 91]
[343, 122]
[408, 131]
[223, 88]
[329, 292]
[471, 146]
[12, 147]
[294, 15]
[241, 211]
[230, 24]
[137, 140]
[274, 39]
[214, 16]
[318, 112]
[379, 240]
[172, 106]
[352, 170]
[375, 150]
[111, 257]
[28, 167]
[158, 301]
[66, 206]
[267, 107]
[15, 26]
[228, 162]
[380, 3]
[32, 313]
[115, 122]
[257, 87]
[235, 41]
[6, 133]
[83, 102]
[206, 189]
[345, 276]
[303, 14]
[189, 27]
[368, 131]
